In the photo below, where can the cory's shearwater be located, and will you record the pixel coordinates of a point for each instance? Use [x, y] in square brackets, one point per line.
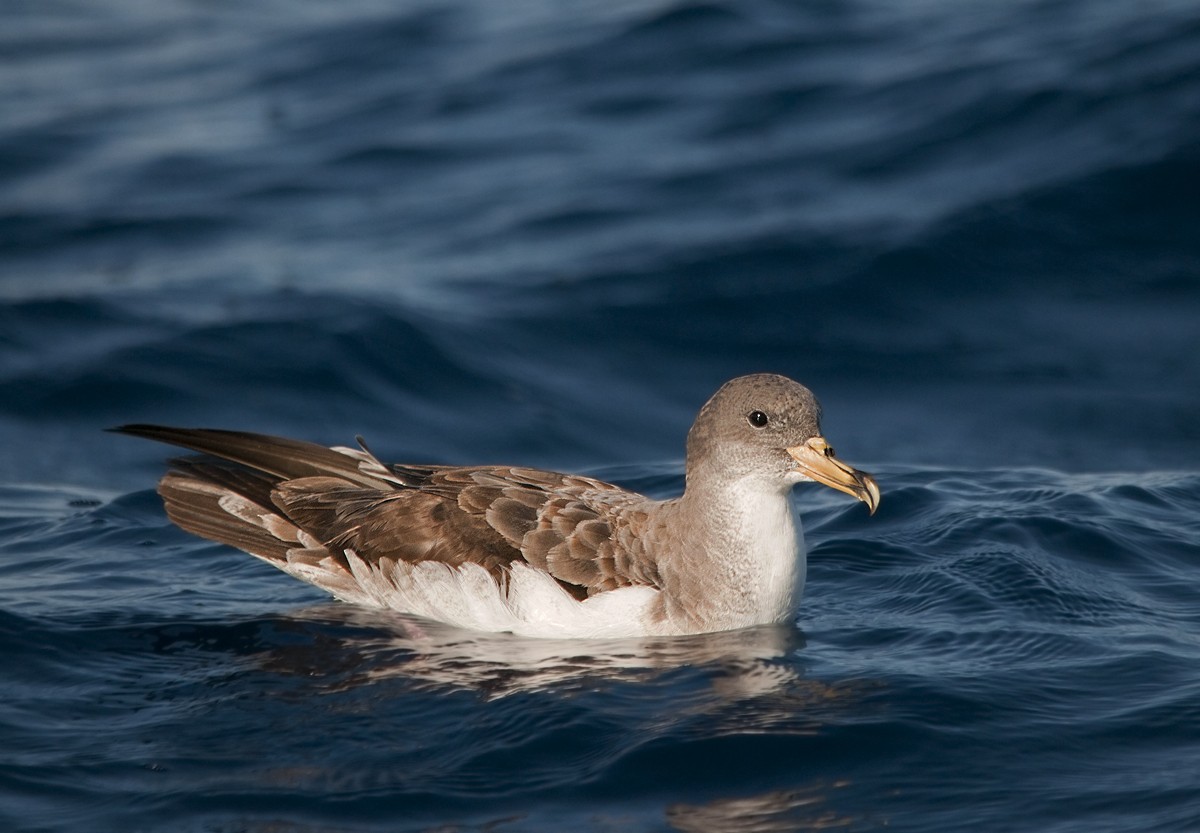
[503, 548]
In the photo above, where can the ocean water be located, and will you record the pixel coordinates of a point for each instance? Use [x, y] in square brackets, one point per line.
[543, 233]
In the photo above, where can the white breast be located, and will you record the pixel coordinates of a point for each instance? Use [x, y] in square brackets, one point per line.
[771, 564]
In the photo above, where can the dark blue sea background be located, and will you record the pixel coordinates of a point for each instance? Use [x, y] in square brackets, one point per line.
[544, 233]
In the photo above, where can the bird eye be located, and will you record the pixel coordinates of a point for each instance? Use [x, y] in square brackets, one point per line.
[757, 418]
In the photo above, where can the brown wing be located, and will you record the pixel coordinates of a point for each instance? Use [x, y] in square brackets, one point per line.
[579, 530]
[297, 503]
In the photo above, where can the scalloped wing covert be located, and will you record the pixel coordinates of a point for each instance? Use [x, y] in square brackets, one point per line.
[576, 529]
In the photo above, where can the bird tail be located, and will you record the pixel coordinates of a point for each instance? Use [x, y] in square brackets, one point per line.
[230, 499]
[277, 456]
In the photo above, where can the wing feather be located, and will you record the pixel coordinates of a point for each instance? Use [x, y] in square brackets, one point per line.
[324, 514]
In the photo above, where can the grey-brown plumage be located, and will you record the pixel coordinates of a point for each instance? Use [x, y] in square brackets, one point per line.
[510, 548]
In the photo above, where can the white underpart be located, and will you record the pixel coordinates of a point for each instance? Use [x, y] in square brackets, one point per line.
[773, 563]
[531, 604]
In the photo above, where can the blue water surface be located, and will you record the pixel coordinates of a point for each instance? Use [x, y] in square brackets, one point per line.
[543, 233]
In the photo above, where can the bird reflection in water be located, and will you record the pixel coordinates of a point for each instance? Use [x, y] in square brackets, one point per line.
[669, 694]
[347, 647]
[777, 811]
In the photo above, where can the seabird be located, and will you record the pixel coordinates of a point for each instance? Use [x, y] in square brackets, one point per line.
[538, 553]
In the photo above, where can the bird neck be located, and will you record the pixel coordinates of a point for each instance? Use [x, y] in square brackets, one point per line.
[746, 539]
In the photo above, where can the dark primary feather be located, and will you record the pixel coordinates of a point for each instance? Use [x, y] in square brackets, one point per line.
[279, 456]
[274, 497]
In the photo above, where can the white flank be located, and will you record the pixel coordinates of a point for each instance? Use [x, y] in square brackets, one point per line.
[531, 604]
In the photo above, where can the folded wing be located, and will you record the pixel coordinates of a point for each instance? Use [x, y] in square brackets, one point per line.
[320, 513]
